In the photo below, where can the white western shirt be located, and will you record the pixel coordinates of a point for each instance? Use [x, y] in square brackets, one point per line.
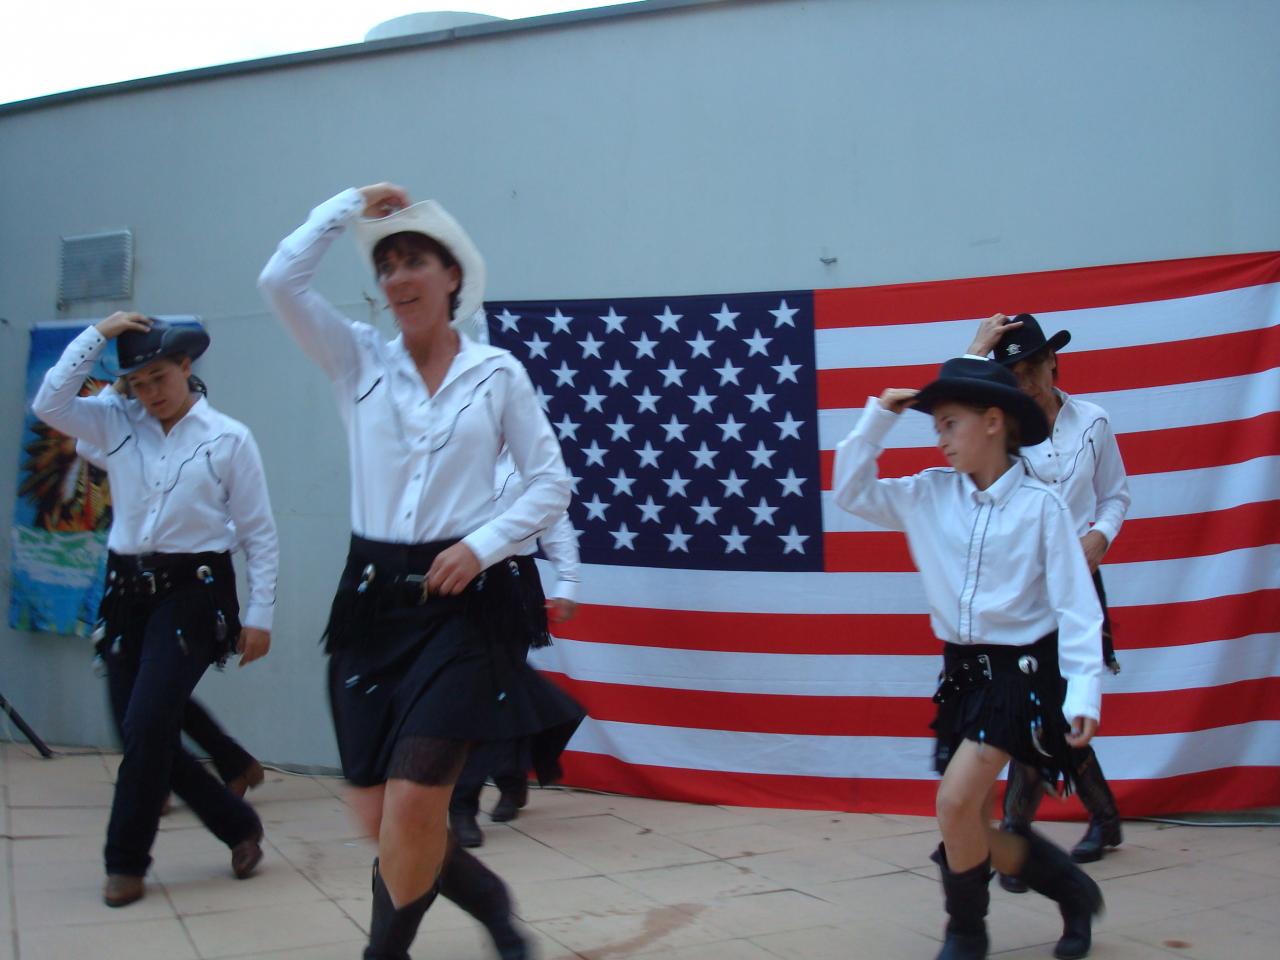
[198, 488]
[1000, 566]
[1080, 461]
[422, 466]
[559, 542]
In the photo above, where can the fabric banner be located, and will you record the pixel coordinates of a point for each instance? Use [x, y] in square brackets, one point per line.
[742, 640]
[63, 509]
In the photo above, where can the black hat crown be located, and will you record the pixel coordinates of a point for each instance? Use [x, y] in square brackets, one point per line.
[977, 381]
[135, 349]
[1027, 341]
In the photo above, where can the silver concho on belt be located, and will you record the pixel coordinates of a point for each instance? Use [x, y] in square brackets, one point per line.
[1028, 664]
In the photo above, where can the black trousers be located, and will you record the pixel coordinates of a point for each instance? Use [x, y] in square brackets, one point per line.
[152, 667]
[229, 758]
[507, 761]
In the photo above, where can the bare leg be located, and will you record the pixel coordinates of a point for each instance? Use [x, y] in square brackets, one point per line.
[964, 804]
[411, 841]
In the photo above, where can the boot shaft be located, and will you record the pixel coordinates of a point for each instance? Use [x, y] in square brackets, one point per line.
[392, 929]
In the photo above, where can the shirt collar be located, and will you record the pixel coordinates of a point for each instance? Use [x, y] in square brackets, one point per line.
[471, 353]
[1000, 491]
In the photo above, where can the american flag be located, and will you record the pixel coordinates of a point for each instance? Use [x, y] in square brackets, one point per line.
[742, 640]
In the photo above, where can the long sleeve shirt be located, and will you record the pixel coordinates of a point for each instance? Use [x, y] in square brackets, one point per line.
[1000, 566]
[422, 465]
[200, 487]
[559, 542]
[1080, 461]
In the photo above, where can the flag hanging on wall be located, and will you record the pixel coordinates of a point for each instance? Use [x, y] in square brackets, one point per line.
[744, 641]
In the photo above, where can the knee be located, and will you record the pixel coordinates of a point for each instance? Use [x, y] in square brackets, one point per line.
[366, 809]
[953, 807]
[415, 807]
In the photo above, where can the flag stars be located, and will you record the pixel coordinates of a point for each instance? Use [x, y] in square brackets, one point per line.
[537, 347]
[564, 375]
[617, 375]
[763, 512]
[784, 316]
[644, 346]
[592, 400]
[612, 321]
[761, 456]
[649, 510]
[759, 399]
[704, 456]
[786, 370]
[735, 542]
[590, 346]
[731, 428]
[567, 429]
[725, 318]
[646, 400]
[791, 484]
[623, 538]
[595, 507]
[674, 428]
[757, 344]
[701, 346]
[728, 373]
[702, 400]
[544, 399]
[672, 375]
[788, 426]
[668, 320]
[706, 512]
[676, 484]
[559, 322]
[595, 454]
[619, 429]
[677, 539]
[793, 541]
[733, 484]
[648, 455]
[622, 484]
[508, 320]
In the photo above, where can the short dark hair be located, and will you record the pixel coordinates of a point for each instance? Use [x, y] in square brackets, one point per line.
[409, 241]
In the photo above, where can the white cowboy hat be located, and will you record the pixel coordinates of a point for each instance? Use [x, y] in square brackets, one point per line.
[433, 220]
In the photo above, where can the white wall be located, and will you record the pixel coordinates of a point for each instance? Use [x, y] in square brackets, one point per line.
[720, 147]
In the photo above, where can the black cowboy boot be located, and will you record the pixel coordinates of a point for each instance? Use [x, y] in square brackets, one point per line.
[480, 892]
[968, 895]
[1104, 818]
[392, 930]
[1022, 796]
[1049, 871]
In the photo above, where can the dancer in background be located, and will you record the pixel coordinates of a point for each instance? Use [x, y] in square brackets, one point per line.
[187, 485]
[1009, 596]
[1080, 461]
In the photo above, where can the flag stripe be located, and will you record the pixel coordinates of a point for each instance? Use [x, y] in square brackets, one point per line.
[1073, 289]
[1153, 670]
[1141, 757]
[1152, 451]
[1210, 790]
[1136, 627]
[1153, 538]
[1133, 714]
[1136, 368]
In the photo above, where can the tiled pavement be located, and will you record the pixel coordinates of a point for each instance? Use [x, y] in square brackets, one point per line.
[595, 877]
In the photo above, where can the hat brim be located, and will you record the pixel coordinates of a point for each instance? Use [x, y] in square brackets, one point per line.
[430, 219]
[185, 341]
[1054, 343]
[1033, 428]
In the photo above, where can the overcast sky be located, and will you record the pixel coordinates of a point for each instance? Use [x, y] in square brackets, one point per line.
[69, 44]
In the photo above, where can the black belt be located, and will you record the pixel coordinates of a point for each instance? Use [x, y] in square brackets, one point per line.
[155, 574]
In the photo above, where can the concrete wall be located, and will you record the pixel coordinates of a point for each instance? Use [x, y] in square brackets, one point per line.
[678, 149]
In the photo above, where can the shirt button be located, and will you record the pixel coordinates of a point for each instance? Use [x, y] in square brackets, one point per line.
[408, 515]
[417, 476]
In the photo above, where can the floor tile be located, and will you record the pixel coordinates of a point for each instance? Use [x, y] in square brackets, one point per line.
[262, 929]
[134, 940]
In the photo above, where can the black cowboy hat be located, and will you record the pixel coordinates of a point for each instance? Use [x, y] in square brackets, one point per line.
[1027, 341]
[987, 384]
[135, 349]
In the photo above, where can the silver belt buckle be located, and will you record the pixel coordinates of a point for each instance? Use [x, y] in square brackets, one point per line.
[986, 665]
[204, 574]
[149, 578]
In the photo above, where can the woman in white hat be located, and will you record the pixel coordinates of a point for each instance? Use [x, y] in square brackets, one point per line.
[187, 486]
[425, 632]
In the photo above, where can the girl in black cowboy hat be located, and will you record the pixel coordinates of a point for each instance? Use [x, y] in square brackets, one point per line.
[187, 486]
[1010, 598]
[1080, 461]
[427, 632]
